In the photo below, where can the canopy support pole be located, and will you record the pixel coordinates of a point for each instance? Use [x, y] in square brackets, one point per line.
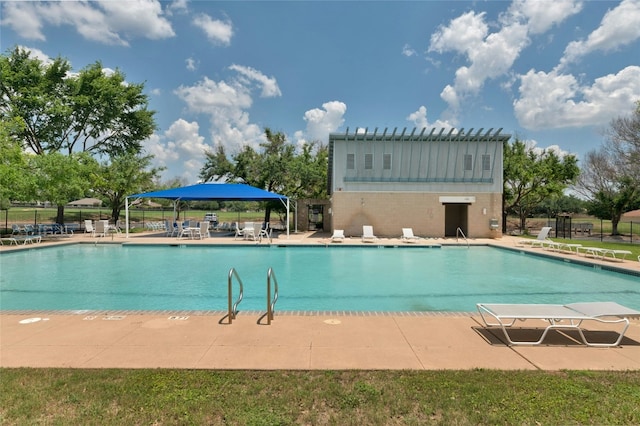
[126, 217]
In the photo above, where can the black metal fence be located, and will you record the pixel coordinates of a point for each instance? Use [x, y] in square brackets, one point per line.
[569, 228]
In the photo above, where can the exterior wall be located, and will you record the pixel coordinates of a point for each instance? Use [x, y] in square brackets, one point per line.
[396, 180]
[389, 212]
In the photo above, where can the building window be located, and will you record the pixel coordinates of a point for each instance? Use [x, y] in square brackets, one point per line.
[486, 162]
[351, 161]
[386, 162]
[368, 161]
[468, 162]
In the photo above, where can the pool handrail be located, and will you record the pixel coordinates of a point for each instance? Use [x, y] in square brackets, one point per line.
[271, 303]
[460, 231]
[233, 307]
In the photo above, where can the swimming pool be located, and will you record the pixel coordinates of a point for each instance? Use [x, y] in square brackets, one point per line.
[319, 278]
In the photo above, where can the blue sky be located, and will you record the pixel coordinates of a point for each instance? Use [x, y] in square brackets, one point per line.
[553, 73]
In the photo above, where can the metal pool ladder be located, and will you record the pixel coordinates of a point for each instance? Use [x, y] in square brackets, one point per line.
[460, 232]
[233, 307]
[271, 303]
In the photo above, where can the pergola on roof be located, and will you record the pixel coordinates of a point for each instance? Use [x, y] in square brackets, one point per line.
[435, 135]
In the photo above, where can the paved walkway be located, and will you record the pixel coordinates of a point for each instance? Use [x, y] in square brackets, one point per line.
[296, 341]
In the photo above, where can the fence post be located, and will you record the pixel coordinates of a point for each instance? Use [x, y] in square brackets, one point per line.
[601, 231]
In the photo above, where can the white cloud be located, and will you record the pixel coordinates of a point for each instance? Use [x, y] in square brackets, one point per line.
[492, 54]
[178, 7]
[180, 148]
[541, 16]
[269, 84]
[408, 51]
[21, 17]
[619, 27]
[208, 94]
[419, 119]
[108, 22]
[463, 33]
[554, 100]
[217, 31]
[191, 64]
[321, 122]
[532, 145]
[226, 104]
[38, 54]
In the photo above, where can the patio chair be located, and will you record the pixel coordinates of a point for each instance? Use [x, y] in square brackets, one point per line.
[567, 317]
[540, 240]
[264, 232]
[408, 237]
[183, 230]
[202, 231]
[367, 234]
[338, 236]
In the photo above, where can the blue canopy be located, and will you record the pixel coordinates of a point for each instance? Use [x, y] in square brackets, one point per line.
[214, 191]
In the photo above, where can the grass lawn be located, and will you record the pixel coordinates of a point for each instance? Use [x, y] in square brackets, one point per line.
[185, 397]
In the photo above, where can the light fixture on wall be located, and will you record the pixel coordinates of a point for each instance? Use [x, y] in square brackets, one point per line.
[484, 211]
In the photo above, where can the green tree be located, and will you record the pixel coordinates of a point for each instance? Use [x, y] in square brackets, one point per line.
[91, 111]
[277, 168]
[16, 180]
[123, 175]
[62, 178]
[610, 178]
[531, 177]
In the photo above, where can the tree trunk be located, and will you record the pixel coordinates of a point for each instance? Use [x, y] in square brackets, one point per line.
[267, 214]
[60, 215]
[615, 219]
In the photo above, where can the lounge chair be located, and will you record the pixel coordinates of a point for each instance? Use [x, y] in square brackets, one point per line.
[408, 237]
[338, 235]
[603, 252]
[568, 317]
[88, 227]
[540, 240]
[562, 247]
[367, 234]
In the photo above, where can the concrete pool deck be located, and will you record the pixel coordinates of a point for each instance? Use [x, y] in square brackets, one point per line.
[298, 341]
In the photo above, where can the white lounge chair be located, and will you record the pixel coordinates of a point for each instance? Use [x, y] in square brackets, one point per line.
[338, 235]
[602, 253]
[568, 317]
[88, 227]
[408, 237]
[367, 234]
[540, 240]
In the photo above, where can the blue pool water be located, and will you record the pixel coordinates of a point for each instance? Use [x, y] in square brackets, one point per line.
[113, 277]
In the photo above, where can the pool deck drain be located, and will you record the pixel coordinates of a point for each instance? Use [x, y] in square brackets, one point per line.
[294, 340]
